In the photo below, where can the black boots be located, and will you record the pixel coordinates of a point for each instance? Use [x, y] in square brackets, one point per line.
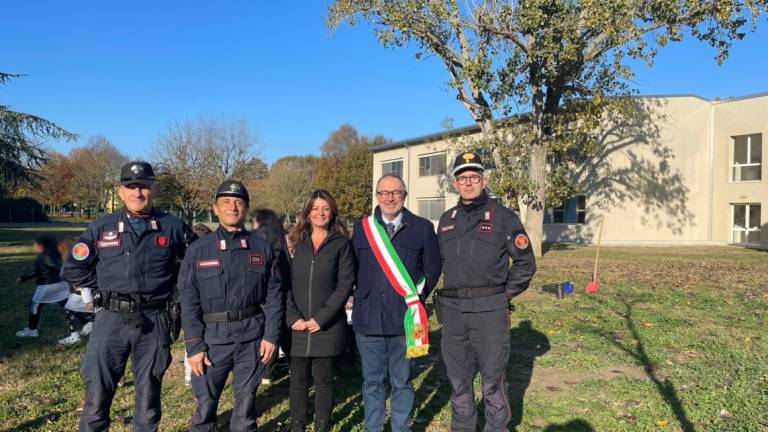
[294, 426]
[322, 426]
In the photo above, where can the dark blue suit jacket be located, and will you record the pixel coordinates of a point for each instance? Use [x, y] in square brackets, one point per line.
[378, 309]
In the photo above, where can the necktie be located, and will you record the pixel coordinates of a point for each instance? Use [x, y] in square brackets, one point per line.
[390, 229]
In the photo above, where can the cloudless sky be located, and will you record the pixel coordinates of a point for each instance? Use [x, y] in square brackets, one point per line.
[127, 69]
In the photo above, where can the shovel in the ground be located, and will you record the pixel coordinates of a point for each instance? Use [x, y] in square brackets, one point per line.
[594, 285]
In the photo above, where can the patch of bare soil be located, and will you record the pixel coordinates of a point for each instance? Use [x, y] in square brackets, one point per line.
[552, 380]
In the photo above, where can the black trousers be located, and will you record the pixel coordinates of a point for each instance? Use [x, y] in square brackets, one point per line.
[116, 336]
[34, 313]
[244, 361]
[321, 371]
[472, 341]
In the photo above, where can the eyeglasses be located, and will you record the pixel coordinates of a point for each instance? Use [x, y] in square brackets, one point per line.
[390, 194]
[474, 179]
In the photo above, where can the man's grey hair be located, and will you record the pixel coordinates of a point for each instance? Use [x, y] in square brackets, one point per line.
[394, 176]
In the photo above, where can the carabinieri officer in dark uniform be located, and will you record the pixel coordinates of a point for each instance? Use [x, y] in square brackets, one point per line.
[232, 305]
[132, 257]
[477, 239]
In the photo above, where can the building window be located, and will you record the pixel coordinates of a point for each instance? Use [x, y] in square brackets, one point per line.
[431, 208]
[746, 223]
[392, 167]
[572, 211]
[431, 165]
[747, 157]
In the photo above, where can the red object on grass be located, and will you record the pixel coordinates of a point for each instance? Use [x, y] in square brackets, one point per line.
[592, 287]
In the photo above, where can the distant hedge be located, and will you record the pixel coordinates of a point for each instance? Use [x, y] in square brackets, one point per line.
[21, 210]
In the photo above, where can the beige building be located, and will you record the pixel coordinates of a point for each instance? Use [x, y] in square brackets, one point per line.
[690, 172]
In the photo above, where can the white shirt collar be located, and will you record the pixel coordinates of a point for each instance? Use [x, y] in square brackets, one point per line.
[396, 221]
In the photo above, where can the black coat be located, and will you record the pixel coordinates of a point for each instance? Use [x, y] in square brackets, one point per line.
[47, 267]
[321, 285]
[222, 273]
[476, 246]
[110, 256]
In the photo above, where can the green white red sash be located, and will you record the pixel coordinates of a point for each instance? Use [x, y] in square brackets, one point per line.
[415, 320]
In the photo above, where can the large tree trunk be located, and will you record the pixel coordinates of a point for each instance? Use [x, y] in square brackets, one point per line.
[534, 215]
[537, 168]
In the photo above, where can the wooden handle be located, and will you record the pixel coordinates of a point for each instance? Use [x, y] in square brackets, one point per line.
[597, 253]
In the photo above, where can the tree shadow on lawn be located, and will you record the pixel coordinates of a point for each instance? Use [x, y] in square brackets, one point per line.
[36, 423]
[527, 344]
[665, 388]
[577, 425]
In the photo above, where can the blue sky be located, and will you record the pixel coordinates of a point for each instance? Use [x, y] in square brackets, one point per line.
[127, 69]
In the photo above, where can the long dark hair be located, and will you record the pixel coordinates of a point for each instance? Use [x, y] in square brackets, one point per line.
[303, 227]
[48, 243]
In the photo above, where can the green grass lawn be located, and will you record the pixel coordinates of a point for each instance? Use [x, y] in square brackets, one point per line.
[675, 340]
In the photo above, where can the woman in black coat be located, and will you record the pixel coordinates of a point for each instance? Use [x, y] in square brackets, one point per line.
[323, 273]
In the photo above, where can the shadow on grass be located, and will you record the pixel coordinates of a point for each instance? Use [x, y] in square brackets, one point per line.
[527, 343]
[546, 247]
[36, 423]
[577, 425]
[665, 388]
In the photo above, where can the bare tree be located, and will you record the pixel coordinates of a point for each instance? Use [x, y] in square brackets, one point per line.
[96, 171]
[289, 182]
[192, 158]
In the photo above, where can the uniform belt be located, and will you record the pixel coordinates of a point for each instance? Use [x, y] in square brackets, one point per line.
[470, 293]
[230, 316]
[131, 306]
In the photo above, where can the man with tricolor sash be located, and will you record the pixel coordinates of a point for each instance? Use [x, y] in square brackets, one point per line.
[399, 264]
[478, 237]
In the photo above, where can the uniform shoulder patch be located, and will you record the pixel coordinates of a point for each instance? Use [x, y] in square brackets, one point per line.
[521, 241]
[80, 251]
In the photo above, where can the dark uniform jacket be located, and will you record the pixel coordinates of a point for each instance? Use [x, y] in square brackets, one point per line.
[379, 310]
[322, 282]
[110, 256]
[227, 272]
[47, 268]
[476, 243]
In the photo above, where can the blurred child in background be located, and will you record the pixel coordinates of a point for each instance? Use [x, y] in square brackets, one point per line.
[50, 287]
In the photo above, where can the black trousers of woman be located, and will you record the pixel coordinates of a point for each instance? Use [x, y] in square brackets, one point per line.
[321, 371]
